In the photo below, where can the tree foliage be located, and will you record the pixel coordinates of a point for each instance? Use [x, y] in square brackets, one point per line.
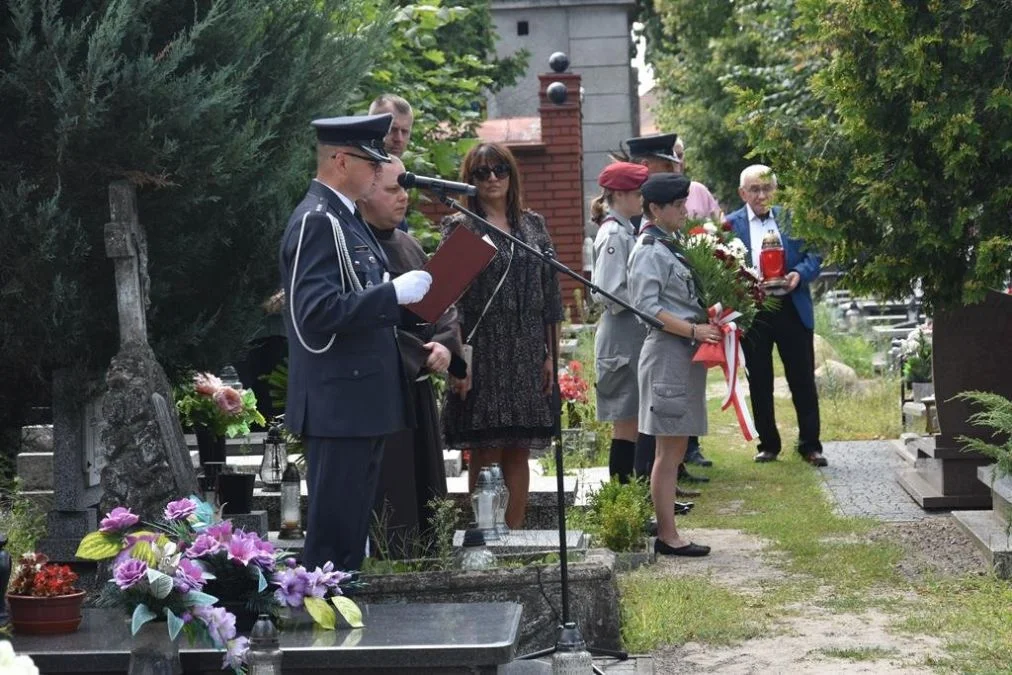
[441, 59]
[898, 161]
[203, 105]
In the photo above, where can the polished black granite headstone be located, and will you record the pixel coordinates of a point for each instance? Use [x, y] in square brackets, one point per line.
[443, 638]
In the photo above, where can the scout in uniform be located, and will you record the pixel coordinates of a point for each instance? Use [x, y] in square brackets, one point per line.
[672, 388]
[345, 382]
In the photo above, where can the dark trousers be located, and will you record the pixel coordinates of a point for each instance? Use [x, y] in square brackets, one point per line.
[796, 346]
[342, 474]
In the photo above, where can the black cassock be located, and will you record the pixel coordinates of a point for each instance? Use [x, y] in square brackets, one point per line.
[412, 472]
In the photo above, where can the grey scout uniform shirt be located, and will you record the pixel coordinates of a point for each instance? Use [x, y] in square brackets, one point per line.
[612, 246]
[659, 280]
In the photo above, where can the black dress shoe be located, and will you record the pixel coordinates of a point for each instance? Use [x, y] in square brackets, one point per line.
[684, 475]
[816, 459]
[766, 456]
[685, 492]
[691, 550]
[696, 457]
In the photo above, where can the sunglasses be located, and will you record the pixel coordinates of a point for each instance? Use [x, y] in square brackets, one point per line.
[376, 164]
[483, 173]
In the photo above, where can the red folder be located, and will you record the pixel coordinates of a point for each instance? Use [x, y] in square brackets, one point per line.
[458, 261]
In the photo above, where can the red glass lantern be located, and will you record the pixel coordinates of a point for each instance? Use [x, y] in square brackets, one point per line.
[772, 262]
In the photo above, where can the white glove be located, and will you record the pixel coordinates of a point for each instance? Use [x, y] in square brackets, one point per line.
[412, 286]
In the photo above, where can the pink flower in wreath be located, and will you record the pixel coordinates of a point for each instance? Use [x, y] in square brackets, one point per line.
[206, 384]
[228, 400]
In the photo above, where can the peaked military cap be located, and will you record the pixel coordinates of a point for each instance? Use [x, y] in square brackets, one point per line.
[364, 131]
[658, 145]
[664, 188]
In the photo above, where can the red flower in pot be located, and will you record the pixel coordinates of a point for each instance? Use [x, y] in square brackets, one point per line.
[42, 597]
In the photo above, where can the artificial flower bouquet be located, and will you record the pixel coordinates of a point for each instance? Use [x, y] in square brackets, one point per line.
[915, 352]
[225, 564]
[225, 411]
[573, 389]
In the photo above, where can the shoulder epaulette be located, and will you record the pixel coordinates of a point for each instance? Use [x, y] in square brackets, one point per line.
[648, 239]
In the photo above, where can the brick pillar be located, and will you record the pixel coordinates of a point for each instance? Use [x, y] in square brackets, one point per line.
[560, 197]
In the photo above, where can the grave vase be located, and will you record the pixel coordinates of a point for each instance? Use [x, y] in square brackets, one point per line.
[235, 492]
[211, 448]
[153, 652]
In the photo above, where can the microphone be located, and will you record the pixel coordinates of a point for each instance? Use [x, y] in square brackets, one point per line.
[410, 180]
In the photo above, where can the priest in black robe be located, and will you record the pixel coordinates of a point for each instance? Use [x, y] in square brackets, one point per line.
[412, 471]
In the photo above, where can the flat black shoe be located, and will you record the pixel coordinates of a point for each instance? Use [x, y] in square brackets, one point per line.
[690, 550]
[816, 459]
[683, 474]
[766, 456]
[685, 492]
[683, 508]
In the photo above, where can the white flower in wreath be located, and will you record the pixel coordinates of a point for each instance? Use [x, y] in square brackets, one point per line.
[737, 248]
[710, 227]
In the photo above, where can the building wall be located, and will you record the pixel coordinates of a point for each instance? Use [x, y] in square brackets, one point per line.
[596, 37]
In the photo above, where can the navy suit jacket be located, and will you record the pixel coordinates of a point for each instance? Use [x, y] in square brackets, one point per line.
[355, 388]
[798, 259]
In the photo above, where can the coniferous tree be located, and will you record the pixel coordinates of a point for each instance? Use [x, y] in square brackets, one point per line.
[204, 105]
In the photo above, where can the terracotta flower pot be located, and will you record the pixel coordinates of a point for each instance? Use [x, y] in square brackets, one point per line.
[31, 615]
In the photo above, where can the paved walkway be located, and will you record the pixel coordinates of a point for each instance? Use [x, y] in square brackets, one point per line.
[861, 480]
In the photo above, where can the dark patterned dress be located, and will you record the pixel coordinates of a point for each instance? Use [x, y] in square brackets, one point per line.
[506, 407]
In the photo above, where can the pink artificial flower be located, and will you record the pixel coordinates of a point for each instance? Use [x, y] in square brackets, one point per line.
[204, 545]
[242, 548]
[221, 531]
[180, 509]
[206, 384]
[228, 400]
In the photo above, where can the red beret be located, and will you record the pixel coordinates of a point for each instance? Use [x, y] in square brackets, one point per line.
[622, 176]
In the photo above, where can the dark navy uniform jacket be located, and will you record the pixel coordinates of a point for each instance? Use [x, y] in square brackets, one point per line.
[355, 387]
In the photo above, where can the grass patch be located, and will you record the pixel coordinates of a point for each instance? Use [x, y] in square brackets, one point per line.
[674, 610]
[861, 653]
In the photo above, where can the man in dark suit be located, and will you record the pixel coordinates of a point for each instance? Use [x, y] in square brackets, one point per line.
[345, 381]
[791, 326]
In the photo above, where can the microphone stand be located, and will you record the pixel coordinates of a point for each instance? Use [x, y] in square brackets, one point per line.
[569, 631]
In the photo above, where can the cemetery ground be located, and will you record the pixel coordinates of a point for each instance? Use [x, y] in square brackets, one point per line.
[795, 585]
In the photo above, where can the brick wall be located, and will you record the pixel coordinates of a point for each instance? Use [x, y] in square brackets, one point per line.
[552, 173]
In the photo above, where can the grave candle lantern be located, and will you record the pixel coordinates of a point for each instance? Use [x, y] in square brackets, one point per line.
[772, 262]
[275, 459]
[291, 504]
[264, 655]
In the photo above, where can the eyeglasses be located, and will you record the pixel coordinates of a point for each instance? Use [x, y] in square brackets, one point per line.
[376, 164]
[761, 189]
[483, 173]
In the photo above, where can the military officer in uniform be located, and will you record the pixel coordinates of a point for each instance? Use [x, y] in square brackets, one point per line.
[672, 387]
[345, 381]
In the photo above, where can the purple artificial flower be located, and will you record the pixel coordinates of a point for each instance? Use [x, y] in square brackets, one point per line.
[118, 519]
[235, 656]
[219, 621]
[129, 573]
[221, 531]
[203, 546]
[264, 556]
[291, 585]
[243, 548]
[180, 509]
[332, 578]
[189, 576]
[315, 585]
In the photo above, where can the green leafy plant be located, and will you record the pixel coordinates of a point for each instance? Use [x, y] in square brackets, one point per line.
[995, 414]
[225, 411]
[618, 513]
[916, 354]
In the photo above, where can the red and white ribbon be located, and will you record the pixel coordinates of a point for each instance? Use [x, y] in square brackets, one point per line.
[734, 357]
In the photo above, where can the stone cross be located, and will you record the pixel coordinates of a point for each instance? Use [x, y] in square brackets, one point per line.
[147, 461]
[126, 244]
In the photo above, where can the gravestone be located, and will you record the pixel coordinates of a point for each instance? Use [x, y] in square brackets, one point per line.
[147, 461]
[76, 397]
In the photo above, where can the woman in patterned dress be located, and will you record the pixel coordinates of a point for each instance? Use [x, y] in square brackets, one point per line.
[502, 409]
